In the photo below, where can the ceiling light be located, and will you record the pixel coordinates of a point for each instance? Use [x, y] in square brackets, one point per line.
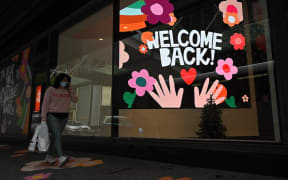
[101, 39]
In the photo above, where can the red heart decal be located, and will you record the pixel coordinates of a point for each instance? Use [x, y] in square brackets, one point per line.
[189, 76]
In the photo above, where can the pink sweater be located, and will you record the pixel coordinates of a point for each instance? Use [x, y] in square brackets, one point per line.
[57, 100]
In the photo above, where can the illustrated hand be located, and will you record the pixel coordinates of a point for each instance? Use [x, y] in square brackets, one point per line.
[167, 98]
[201, 99]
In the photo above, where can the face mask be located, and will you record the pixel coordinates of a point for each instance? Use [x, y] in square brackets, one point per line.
[63, 84]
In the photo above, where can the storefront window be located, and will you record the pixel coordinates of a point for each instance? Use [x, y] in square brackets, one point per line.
[85, 53]
[190, 70]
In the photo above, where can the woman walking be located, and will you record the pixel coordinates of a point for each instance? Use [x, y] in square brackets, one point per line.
[55, 112]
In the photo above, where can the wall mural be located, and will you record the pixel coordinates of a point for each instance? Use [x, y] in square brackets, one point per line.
[15, 93]
[185, 51]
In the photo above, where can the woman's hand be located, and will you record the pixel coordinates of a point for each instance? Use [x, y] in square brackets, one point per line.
[72, 93]
[43, 123]
[69, 88]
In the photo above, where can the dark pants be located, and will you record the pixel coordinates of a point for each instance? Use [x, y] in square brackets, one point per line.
[56, 127]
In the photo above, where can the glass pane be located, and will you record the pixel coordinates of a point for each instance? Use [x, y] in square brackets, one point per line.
[201, 70]
[85, 52]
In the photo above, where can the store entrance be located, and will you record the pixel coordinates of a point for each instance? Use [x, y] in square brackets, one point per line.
[85, 53]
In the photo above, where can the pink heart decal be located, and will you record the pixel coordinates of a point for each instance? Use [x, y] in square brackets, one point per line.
[189, 76]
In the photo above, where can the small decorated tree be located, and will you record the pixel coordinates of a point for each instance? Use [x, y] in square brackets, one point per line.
[211, 125]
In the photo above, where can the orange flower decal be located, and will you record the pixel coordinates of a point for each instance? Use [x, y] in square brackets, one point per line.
[232, 6]
[143, 49]
[231, 19]
[173, 19]
[146, 36]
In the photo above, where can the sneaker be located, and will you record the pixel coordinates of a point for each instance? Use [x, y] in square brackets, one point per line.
[50, 159]
[62, 161]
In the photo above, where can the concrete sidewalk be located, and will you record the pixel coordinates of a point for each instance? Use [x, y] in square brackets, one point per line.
[16, 164]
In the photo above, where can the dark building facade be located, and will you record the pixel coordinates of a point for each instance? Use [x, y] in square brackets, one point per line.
[145, 71]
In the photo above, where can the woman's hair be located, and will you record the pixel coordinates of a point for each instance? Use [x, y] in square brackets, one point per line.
[59, 78]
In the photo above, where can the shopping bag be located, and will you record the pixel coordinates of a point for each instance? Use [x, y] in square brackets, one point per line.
[33, 142]
[43, 138]
[40, 139]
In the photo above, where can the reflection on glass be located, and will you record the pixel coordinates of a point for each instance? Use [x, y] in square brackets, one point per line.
[85, 53]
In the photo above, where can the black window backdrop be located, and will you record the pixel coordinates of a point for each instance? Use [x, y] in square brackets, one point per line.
[175, 55]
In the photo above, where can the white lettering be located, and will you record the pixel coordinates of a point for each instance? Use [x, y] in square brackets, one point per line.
[206, 41]
[177, 55]
[216, 40]
[154, 43]
[191, 38]
[182, 44]
[172, 39]
[163, 38]
[186, 51]
[164, 55]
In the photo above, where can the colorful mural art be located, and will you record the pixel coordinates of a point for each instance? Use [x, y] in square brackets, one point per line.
[132, 18]
[15, 93]
[135, 16]
[73, 162]
[185, 54]
[38, 176]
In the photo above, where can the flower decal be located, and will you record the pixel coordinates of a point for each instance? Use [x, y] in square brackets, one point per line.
[238, 41]
[173, 19]
[232, 12]
[231, 19]
[143, 49]
[226, 68]
[38, 176]
[245, 98]
[147, 36]
[142, 82]
[158, 10]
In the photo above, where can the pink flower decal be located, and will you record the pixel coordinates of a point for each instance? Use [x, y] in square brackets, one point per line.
[238, 41]
[226, 68]
[142, 82]
[158, 10]
[38, 176]
[245, 98]
[123, 55]
[232, 12]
